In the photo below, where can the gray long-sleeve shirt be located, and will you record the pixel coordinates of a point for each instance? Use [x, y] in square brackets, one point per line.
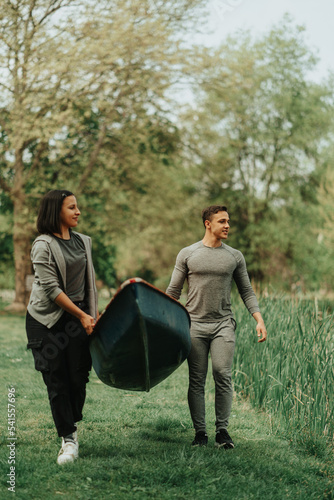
[209, 272]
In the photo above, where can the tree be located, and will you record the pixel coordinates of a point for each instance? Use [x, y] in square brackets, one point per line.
[147, 211]
[325, 226]
[73, 75]
[260, 124]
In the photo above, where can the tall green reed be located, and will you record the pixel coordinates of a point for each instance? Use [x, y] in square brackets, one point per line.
[291, 375]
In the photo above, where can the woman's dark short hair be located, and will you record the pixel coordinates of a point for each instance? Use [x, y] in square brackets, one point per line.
[208, 212]
[48, 219]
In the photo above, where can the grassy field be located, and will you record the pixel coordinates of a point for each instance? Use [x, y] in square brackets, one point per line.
[292, 375]
[137, 445]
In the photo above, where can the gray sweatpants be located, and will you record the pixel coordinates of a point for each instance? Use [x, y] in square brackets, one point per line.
[218, 339]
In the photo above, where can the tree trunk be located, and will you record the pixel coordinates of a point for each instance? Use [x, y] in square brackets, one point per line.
[22, 269]
[21, 242]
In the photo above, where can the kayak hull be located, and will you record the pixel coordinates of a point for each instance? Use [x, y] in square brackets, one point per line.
[141, 338]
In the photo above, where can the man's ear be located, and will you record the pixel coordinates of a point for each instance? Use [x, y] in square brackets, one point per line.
[207, 223]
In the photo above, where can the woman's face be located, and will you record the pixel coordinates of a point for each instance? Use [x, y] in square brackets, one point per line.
[69, 212]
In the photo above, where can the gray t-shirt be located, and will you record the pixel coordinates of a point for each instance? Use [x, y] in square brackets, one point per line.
[76, 263]
[209, 272]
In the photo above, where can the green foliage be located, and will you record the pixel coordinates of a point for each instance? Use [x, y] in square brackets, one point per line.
[260, 125]
[7, 273]
[104, 263]
[6, 239]
[90, 102]
[7, 278]
[84, 103]
[325, 229]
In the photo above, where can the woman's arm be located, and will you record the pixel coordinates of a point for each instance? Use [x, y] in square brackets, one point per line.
[86, 320]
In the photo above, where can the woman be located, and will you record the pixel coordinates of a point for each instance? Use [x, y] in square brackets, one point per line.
[61, 313]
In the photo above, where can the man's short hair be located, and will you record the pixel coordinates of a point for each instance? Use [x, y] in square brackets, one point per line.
[208, 212]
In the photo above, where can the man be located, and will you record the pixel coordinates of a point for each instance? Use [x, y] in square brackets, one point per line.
[209, 267]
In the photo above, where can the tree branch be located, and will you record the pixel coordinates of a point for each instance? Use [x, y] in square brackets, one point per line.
[54, 6]
[4, 186]
[40, 150]
[272, 169]
[93, 158]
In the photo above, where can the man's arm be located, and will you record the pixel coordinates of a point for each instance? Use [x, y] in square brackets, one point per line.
[248, 296]
[179, 275]
[260, 327]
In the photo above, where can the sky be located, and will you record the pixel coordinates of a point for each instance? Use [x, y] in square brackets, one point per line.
[228, 16]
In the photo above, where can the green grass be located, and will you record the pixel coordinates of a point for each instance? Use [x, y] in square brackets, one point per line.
[291, 375]
[137, 445]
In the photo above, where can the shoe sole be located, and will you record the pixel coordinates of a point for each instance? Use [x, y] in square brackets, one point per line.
[226, 446]
[67, 461]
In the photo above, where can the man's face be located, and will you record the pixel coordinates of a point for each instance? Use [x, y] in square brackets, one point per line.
[219, 225]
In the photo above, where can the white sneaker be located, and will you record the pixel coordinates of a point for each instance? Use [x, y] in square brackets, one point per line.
[69, 452]
[75, 437]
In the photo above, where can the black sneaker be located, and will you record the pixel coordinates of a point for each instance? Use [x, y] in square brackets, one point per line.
[224, 440]
[201, 439]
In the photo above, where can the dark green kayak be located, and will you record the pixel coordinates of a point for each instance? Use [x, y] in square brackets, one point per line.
[141, 337]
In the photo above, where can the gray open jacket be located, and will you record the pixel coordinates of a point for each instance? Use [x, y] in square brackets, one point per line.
[46, 251]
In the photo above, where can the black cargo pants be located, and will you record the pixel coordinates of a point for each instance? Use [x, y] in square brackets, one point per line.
[61, 354]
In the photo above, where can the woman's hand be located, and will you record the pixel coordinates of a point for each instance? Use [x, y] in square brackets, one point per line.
[88, 323]
[86, 320]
